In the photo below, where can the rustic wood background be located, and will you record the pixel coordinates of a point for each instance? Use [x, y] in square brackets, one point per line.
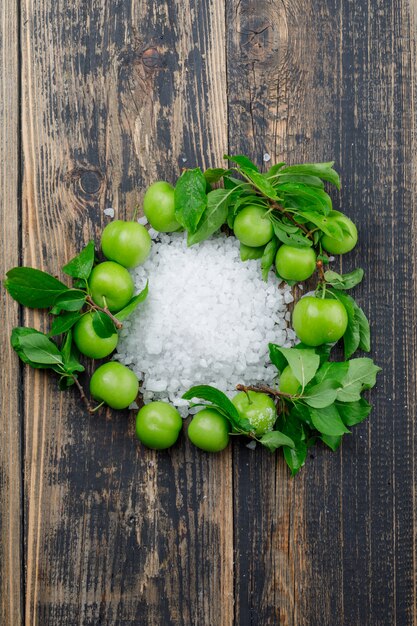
[98, 99]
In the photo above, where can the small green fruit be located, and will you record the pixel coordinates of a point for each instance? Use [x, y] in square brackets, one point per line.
[89, 343]
[350, 238]
[258, 408]
[295, 263]
[209, 430]
[111, 285]
[253, 227]
[126, 243]
[319, 320]
[115, 384]
[158, 425]
[159, 207]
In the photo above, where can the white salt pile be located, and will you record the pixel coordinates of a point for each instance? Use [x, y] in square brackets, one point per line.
[208, 319]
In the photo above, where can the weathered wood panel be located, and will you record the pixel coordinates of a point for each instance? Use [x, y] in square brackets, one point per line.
[115, 95]
[10, 384]
[336, 80]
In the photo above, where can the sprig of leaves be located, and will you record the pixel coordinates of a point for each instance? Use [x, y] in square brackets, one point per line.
[36, 289]
[329, 403]
[216, 399]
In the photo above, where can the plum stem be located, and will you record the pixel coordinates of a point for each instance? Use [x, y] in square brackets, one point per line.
[264, 389]
[105, 310]
[82, 395]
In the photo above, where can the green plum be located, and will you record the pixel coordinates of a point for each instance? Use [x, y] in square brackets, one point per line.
[89, 343]
[350, 237]
[126, 243]
[209, 430]
[295, 263]
[159, 207]
[319, 320]
[111, 285]
[253, 227]
[158, 425]
[288, 383]
[115, 384]
[258, 408]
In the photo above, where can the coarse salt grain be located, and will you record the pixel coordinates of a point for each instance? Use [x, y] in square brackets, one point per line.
[109, 212]
[208, 319]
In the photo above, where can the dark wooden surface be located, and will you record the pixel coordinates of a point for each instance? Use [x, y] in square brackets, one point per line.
[98, 99]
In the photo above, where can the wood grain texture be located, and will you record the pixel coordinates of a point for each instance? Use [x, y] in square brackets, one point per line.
[317, 81]
[11, 575]
[116, 94]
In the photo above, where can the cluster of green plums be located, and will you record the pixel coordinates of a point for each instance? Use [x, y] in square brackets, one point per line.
[159, 424]
[127, 244]
[315, 320]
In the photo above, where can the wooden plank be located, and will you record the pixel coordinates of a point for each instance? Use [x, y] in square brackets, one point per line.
[311, 81]
[115, 96]
[379, 143]
[10, 419]
[278, 109]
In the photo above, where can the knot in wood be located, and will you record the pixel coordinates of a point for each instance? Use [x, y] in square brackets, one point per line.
[151, 58]
[90, 181]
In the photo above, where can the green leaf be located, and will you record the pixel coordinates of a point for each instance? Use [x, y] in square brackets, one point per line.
[268, 257]
[220, 401]
[296, 239]
[353, 413]
[17, 334]
[213, 217]
[303, 363]
[295, 458]
[214, 174]
[131, 306]
[351, 338]
[71, 300]
[277, 358]
[62, 323]
[322, 351]
[103, 325]
[33, 288]
[274, 169]
[190, 198]
[364, 330]
[328, 226]
[328, 421]
[344, 281]
[260, 182]
[34, 348]
[361, 375]
[81, 265]
[358, 333]
[333, 442]
[311, 181]
[275, 439]
[70, 355]
[321, 395]
[332, 370]
[304, 198]
[248, 253]
[324, 171]
[66, 346]
[242, 161]
[65, 382]
[244, 199]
